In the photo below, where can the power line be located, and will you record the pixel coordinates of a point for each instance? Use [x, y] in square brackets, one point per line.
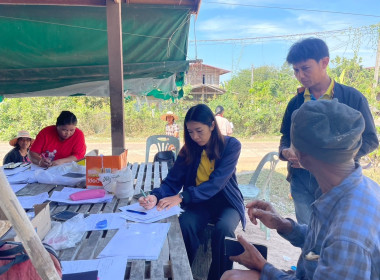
[293, 9]
[287, 36]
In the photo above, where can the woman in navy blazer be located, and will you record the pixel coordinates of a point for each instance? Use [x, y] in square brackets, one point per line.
[203, 181]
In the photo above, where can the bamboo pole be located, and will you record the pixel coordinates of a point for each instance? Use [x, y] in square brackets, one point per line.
[37, 253]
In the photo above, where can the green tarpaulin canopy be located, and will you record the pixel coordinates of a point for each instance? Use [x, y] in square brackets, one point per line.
[62, 50]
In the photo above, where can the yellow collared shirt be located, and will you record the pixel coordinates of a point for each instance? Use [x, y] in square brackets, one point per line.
[205, 168]
[327, 96]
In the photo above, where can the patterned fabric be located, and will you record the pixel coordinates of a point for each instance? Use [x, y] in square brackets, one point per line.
[205, 168]
[327, 96]
[343, 239]
[171, 129]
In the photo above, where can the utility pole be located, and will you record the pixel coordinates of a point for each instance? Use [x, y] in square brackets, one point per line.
[377, 65]
[252, 76]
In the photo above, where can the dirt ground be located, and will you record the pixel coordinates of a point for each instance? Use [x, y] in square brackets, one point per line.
[280, 253]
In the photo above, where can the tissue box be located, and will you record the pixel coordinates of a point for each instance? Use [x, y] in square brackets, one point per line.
[103, 164]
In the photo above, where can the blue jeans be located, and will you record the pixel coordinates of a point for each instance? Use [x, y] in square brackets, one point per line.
[305, 190]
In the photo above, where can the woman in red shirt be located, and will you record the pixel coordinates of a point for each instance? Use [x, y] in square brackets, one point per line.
[60, 143]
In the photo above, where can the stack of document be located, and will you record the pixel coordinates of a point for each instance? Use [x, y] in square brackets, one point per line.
[108, 268]
[64, 197]
[27, 202]
[137, 213]
[137, 241]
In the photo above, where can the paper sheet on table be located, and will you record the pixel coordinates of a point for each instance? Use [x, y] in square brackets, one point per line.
[17, 187]
[64, 197]
[153, 215]
[114, 221]
[26, 176]
[10, 172]
[137, 241]
[108, 268]
[27, 202]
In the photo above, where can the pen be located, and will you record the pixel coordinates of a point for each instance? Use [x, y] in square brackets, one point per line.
[137, 212]
[143, 193]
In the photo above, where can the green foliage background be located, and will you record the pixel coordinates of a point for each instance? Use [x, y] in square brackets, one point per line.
[254, 107]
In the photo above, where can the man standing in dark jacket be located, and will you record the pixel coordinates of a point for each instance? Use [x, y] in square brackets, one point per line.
[309, 58]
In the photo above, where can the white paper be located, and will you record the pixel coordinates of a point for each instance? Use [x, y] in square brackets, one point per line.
[108, 268]
[137, 241]
[22, 177]
[152, 215]
[64, 197]
[17, 187]
[114, 221]
[10, 172]
[27, 202]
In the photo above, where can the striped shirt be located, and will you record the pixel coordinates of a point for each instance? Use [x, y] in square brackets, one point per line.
[343, 235]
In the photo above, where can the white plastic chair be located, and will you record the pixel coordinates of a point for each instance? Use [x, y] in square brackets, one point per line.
[252, 191]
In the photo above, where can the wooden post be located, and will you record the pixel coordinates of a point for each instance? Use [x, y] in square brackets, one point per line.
[115, 65]
[37, 253]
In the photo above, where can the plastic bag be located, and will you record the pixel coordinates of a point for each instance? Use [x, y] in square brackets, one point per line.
[55, 174]
[67, 234]
[120, 183]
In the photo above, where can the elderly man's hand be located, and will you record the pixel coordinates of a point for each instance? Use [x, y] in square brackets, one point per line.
[262, 210]
[251, 258]
[290, 156]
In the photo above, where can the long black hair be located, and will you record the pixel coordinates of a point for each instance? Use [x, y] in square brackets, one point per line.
[215, 146]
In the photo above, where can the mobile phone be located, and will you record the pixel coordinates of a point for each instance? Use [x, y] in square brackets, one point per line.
[74, 175]
[232, 247]
[64, 215]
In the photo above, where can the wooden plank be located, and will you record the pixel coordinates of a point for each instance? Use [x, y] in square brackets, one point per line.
[14, 212]
[56, 2]
[164, 170]
[137, 270]
[116, 86]
[140, 177]
[135, 167]
[156, 270]
[88, 245]
[180, 264]
[148, 177]
[156, 175]
[193, 4]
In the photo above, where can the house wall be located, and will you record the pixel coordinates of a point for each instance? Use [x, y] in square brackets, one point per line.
[196, 74]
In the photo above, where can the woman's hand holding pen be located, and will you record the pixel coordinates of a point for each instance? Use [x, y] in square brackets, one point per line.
[148, 202]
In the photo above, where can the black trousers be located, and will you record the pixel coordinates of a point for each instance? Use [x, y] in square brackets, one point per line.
[193, 222]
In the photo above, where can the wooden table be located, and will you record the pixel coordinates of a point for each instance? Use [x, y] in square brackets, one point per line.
[172, 263]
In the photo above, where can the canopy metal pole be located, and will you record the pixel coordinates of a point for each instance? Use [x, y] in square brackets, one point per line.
[115, 63]
[14, 212]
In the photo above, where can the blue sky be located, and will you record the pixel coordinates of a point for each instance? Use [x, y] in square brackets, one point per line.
[235, 19]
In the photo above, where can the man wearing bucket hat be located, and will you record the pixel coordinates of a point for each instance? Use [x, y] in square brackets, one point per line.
[171, 128]
[21, 145]
[310, 58]
[342, 240]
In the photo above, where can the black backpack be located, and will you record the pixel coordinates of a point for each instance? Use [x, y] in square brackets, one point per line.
[167, 156]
